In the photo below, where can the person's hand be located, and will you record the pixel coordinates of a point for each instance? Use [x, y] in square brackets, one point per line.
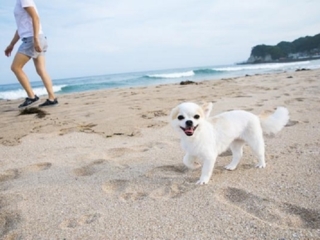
[8, 50]
[37, 46]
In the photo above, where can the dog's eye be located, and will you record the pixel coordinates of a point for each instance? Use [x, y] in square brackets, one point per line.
[180, 117]
[196, 116]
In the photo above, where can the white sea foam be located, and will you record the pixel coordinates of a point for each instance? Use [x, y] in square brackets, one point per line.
[314, 66]
[20, 93]
[173, 75]
[261, 66]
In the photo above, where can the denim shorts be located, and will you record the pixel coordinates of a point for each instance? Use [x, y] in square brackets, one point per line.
[27, 46]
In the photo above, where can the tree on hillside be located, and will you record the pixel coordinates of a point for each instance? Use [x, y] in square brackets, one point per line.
[286, 47]
[305, 45]
[260, 50]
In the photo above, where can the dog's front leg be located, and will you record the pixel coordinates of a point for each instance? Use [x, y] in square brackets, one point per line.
[189, 161]
[207, 170]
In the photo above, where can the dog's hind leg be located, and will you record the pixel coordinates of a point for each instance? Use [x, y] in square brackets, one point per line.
[257, 146]
[189, 161]
[237, 150]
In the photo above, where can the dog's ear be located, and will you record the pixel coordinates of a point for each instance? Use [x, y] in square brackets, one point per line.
[174, 113]
[207, 107]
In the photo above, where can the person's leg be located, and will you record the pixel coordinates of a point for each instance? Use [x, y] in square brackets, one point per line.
[40, 65]
[17, 67]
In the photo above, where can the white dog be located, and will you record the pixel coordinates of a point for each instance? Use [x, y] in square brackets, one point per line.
[204, 137]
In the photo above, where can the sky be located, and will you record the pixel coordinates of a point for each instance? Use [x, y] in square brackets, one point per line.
[96, 37]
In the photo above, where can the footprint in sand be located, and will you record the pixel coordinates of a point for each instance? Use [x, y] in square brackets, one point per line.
[82, 220]
[124, 190]
[95, 167]
[160, 183]
[9, 175]
[267, 210]
[154, 145]
[8, 222]
[119, 152]
[168, 171]
[9, 219]
[12, 174]
[89, 169]
[171, 190]
[294, 100]
[36, 167]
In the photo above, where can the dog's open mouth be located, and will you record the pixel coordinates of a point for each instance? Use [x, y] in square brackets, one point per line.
[189, 131]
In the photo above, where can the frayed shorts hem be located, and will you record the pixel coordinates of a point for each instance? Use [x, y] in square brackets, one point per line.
[27, 47]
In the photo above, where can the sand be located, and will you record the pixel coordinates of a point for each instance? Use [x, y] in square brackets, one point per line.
[107, 165]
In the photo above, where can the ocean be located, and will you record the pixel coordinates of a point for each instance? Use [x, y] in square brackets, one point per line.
[137, 79]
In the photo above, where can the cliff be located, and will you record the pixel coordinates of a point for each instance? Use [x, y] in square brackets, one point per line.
[300, 49]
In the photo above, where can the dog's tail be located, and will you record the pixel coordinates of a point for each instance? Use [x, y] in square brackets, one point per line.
[273, 123]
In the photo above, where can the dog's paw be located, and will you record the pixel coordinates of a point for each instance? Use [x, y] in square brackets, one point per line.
[259, 165]
[230, 167]
[202, 181]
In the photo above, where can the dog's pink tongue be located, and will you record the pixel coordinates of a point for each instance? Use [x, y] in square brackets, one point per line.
[188, 130]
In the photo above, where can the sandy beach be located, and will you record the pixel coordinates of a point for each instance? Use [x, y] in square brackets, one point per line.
[107, 165]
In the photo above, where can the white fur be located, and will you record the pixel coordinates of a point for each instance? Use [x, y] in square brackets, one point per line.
[214, 135]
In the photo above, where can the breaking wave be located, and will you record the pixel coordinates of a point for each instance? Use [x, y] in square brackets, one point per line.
[20, 93]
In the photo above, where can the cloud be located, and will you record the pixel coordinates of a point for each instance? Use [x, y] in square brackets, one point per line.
[99, 37]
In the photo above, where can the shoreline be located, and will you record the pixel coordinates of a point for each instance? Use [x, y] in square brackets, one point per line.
[105, 164]
[280, 61]
[152, 78]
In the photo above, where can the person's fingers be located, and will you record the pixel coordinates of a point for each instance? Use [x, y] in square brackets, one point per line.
[38, 49]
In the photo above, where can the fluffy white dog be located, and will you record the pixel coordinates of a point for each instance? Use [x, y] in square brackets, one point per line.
[204, 137]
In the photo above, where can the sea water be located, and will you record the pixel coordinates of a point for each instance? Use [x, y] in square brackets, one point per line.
[136, 79]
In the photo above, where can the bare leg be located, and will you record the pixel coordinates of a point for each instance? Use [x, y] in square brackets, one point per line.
[237, 151]
[40, 65]
[17, 65]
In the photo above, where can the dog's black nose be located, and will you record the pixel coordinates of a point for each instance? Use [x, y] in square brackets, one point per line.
[189, 123]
